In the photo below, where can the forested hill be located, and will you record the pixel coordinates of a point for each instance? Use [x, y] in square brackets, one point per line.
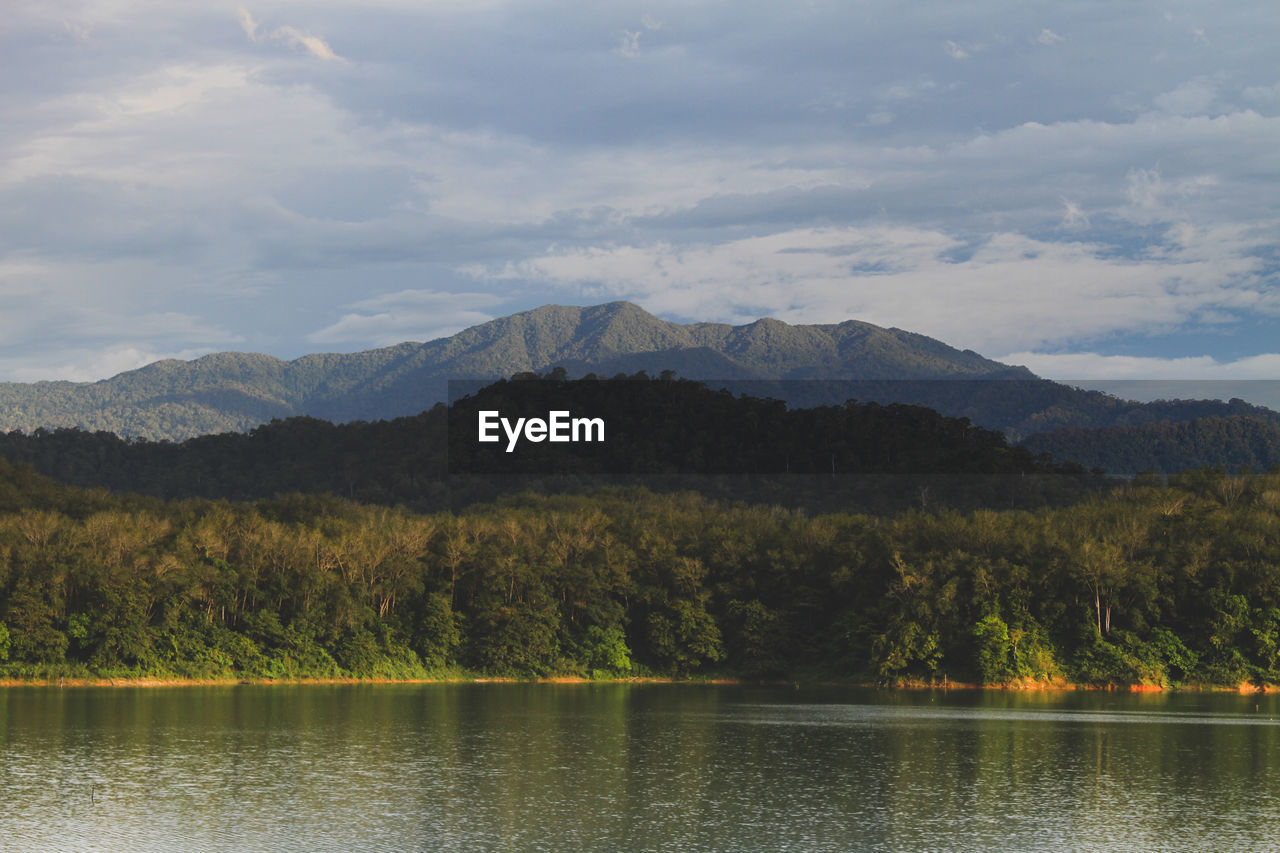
[657, 427]
[804, 365]
[237, 391]
[1233, 443]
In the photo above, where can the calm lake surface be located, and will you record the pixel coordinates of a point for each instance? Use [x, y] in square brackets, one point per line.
[634, 767]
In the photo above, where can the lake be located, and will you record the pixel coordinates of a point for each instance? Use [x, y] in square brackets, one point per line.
[656, 767]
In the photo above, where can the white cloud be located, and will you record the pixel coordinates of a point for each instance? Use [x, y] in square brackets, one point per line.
[955, 51]
[247, 23]
[78, 30]
[629, 45]
[408, 315]
[1073, 218]
[1011, 292]
[906, 90]
[1091, 365]
[89, 320]
[1048, 36]
[1264, 95]
[1151, 198]
[1190, 99]
[292, 36]
[313, 45]
[86, 365]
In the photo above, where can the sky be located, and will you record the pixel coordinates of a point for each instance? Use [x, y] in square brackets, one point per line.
[1091, 189]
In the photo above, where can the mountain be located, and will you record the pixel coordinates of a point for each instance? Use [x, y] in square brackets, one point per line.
[805, 365]
[237, 391]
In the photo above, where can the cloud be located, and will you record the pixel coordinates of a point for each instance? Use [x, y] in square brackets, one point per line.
[77, 30]
[1268, 96]
[1010, 292]
[108, 339]
[88, 365]
[1255, 379]
[247, 23]
[1189, 99]
[1151, 198]
[292, 36]
[313, 45]
[87, 320]
[908, 90]
[1092, 365]
[417, 315]
[629, 46]
[1073, 218]
[222, 164]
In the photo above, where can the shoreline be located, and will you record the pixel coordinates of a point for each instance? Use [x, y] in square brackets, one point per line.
[1244, 688]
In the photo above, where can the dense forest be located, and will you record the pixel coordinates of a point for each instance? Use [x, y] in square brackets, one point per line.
[664, 432]
[1152, 583]
[1237, 442]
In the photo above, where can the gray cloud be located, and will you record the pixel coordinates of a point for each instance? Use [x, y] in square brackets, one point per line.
[281, 175]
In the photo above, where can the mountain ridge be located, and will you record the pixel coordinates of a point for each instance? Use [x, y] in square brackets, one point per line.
[235, 391]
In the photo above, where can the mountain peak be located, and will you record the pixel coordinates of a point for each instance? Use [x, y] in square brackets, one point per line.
[237, 391]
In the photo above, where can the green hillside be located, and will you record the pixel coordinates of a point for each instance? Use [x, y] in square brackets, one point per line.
[1234, 443]
[236, 391]
[814, 365]
[667, 434]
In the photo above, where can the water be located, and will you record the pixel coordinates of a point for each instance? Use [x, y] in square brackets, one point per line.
[641, 767]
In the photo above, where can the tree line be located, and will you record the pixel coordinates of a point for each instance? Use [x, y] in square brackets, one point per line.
[1235, 443]
[666, 433]
[1154, 582]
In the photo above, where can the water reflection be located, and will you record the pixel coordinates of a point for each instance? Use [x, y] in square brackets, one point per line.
[642, 767]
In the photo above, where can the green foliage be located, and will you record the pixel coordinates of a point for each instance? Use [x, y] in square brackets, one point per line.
[908, 649]
[1034, 656]
[995, 652]
[515, 642]
[1155, 583]
[760, 645]
[1167, 660]
[1235, 436]
[1103, 663]
[683, 636]
[672, 427]
[605, 652]
[437, 632]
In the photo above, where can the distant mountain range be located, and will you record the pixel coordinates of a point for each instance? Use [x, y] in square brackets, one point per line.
[234, 392]
[237, 391]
